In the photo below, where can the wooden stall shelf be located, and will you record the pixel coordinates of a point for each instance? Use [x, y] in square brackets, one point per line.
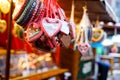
[4, 52]
[43, 75]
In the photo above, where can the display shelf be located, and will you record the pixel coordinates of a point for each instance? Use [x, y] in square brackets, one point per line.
[43, 75]
[4, 52]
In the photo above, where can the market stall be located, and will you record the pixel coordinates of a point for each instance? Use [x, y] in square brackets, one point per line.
[45, 38]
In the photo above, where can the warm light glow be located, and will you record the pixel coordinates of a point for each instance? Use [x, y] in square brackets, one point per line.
[41, 58]
[93, 29]
[48, 55]
[15, 1]
[48, 59]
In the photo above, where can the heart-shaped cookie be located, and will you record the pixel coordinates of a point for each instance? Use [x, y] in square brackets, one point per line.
[83, 48]
[29, 13]
[25, 11]
[3, 26]
[50, 26]
[66, 39]
[97, 35]
[33, 32]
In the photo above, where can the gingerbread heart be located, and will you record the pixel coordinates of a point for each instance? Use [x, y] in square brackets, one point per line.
[97, 35]
[83, 48]
[66, 39]
[33, 32]
[50, 26]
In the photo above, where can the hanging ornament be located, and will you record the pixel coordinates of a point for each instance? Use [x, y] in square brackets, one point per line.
[98, 32]
[83, 45]
[4, 6]
[3, 26]
[66, 39]
[18, 31]
[84, 33]
[27, 13]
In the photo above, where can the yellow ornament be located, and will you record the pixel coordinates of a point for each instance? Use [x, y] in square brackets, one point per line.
[4, 6]
[3, 26]
[97, 35]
